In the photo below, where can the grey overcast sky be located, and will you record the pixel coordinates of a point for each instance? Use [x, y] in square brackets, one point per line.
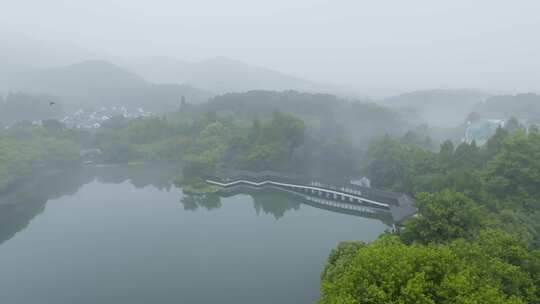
[413, 44]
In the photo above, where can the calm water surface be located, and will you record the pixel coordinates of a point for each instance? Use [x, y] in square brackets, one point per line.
[123, 239]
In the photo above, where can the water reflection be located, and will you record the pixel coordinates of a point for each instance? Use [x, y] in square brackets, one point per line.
[22, 203]
[158, 176]
[265, 201]
[16, 217]
[277, 201]
[274, 203]
[206, 201]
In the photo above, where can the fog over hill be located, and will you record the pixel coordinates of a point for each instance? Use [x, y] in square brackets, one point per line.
[438, 107]
[20, 50]
[98, 83]
[23, 56]
[525, 106]
[42, 66]
[331, 116]
[81, 77]
[220, 75]
[424, 44]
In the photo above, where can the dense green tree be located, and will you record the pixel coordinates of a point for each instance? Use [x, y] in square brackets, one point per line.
[207, 149]
[117, 152]
[53, 126]
[270, 145]
[502, 176]
[467, 156]
[442, 217]
[334, 157]
[26, 150]
[395, 166]
[513, 125]
[455, 249]
[388, 271]
[514, 173]
[495, 143]
[446, 155]
[143, 131]
[419, 137]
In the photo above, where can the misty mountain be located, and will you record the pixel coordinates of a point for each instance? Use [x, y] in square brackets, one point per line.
[261, 103]
[97, 83]
[20, 50]
[22, 56]
[220, 75]
[444, 108]
[526, 106]
[332, 116]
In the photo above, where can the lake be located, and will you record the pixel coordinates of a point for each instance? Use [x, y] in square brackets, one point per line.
[124, 235]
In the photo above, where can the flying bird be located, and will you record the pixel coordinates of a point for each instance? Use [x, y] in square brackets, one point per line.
[52, 103]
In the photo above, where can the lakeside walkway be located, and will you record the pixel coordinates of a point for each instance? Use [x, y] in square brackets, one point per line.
[348, 194]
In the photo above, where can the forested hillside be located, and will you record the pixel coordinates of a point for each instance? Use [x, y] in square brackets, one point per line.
[93, 84]
[26, 151]
[475, 238]
[441, 108]
[330, 115]
[526, 106]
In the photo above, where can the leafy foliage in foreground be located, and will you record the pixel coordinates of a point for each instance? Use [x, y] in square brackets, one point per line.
[502, 177]
[494, 268]
[473, 239]
[444, 216]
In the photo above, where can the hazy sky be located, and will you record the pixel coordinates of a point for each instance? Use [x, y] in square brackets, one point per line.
[405, 44]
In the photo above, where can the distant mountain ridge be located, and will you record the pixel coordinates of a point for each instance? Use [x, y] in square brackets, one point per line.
[66, 71]
[25, 51]
[445, 108]
[97, 83]
[22, 56]
[525, 106]
[219, 75]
